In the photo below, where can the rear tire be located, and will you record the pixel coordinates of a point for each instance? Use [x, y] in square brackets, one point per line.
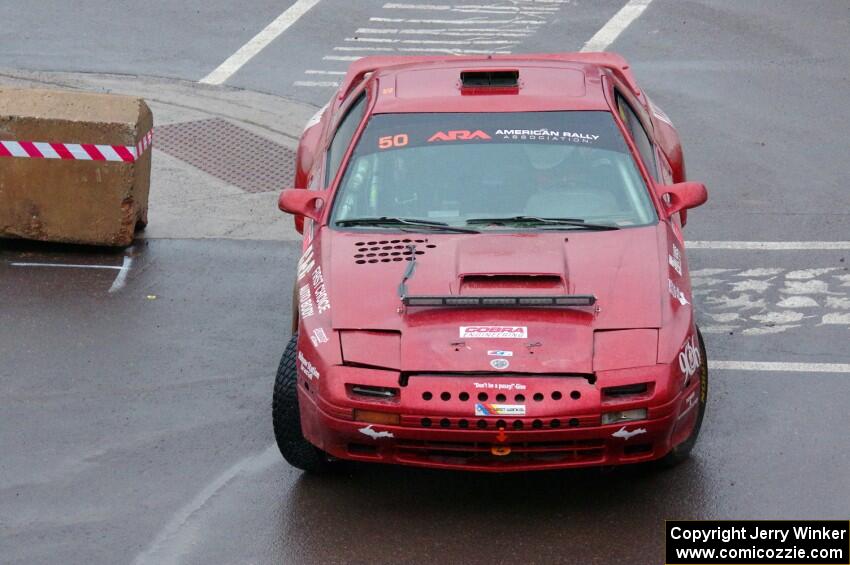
[286, 416]
[682, 451]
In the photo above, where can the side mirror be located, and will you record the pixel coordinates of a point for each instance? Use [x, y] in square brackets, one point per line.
[303, 202]
[683, 195]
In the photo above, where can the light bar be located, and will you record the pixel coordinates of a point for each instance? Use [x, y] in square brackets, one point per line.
[500, 301]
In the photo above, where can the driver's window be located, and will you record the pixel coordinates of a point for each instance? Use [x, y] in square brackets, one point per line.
[342, 137]
[639, 136]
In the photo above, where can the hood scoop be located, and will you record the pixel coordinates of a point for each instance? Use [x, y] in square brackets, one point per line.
[480, 284]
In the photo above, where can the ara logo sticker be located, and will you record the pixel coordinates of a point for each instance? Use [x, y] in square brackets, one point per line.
[458, 135]
[500, 364]
[626, 434]
[675, 259]
[500, 353]
[483, 409]
[374, 434]
[516, 332]
[690, 357]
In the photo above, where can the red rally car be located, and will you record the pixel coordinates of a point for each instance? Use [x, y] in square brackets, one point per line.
[493, 273]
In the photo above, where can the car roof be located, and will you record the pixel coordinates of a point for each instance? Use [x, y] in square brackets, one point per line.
[546, 82]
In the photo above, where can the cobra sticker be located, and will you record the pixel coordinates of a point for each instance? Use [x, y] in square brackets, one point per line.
[510, 332]
[307, 368]
[485, 409]
[690, 357]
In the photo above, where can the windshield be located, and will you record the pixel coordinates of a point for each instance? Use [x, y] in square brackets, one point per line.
[466, 168]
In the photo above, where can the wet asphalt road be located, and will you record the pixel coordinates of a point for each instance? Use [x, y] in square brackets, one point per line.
[135, 425]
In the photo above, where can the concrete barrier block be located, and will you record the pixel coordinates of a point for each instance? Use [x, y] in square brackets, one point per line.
[74, 166]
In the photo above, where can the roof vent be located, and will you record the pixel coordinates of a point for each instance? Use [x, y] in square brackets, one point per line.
[486, 82]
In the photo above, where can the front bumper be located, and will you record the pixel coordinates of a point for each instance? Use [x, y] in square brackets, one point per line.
[562, 429]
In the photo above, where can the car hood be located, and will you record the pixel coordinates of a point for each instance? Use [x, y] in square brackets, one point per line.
[621, 268]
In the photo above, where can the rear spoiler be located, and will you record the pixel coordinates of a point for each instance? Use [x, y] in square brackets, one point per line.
[566, 301]
[613, 62]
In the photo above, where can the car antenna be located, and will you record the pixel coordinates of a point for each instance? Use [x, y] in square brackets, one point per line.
[408, 272]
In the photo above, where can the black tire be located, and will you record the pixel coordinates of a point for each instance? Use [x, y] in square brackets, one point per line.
[682, 451]
[286, 417]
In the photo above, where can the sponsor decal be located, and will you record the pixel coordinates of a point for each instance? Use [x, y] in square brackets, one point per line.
[675, 260]
[515, 332]
[458, 135]
[544, 134]
[307, 368]
[374, 434]
[676, 292]
[499, 386]
[500, 364]
[322, 301]
[305, 302]
[485, 409]
[626, 434]
[306, 262]
[690, 357]
[500, 353]
[318, 336]
[690, 402]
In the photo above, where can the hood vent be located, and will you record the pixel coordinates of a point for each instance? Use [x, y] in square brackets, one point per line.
[389, 250]
[546, 284]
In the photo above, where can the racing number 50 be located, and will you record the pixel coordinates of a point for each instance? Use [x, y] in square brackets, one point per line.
[387, 141]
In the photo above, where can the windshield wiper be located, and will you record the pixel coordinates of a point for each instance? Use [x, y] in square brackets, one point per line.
[537, 220]
[389, 221]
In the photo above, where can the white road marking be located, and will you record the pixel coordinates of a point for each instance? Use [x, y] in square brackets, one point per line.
[474, 9]
[259, 42]
[432, 41]
[121, 278]
[457, 32]
[316, 83]
[339, 58]
[770, 245]
[449, 51]
[168, 546]
[66, 265]
[465, 21]
[318, 72]
[779, 366]
[616, 25]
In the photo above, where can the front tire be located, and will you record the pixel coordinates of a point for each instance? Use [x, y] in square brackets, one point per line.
[286, 416]
[682, 452]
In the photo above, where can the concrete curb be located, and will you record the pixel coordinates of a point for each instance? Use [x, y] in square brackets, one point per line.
[186, 203]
